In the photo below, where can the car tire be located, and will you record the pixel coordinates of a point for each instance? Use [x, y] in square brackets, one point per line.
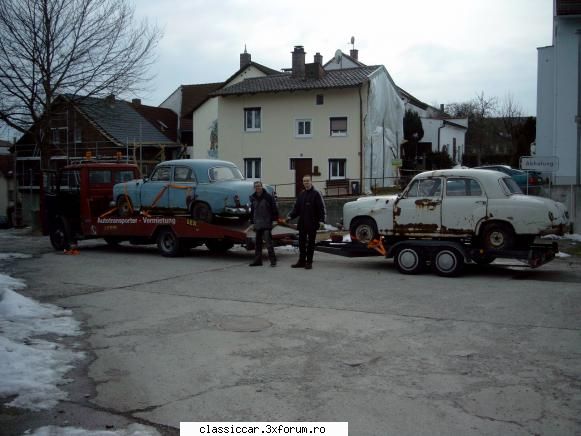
[202, 212]
[448, 262]
[364, 230]
[60, 234]
[219, 245]
[409, 260]
[168, 243]
[498, 236]
[124, 206]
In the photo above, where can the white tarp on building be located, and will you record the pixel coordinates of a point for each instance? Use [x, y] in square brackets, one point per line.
[383, 131]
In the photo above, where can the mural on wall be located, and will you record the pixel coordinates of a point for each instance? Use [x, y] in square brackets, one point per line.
[213, 150]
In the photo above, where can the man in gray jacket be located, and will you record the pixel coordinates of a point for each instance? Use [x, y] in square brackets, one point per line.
[263, 211]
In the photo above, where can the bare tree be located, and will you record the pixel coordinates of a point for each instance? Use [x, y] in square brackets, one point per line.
[75, 47]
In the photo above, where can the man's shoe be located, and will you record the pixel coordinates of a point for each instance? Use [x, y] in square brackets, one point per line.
[256, 263]
[308, 266]
[299, 264]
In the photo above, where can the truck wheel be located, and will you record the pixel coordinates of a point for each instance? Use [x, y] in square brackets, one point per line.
[448, 262]
[202, 212]
[124, 207]
[60, 234]
[364, 230]
[219, 245]
[498, 236]
[409, 260]
[168, 244]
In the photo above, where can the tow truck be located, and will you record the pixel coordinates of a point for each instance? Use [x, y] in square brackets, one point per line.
[79, 204]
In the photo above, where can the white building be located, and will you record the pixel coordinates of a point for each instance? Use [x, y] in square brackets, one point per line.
[559, 95]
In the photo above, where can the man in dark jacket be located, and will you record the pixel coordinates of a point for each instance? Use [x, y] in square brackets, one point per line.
[263, 211]
[310, 208]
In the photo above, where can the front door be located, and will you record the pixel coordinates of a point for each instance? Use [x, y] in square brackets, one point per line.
[419, 211]
[303, 167]
[154, 192]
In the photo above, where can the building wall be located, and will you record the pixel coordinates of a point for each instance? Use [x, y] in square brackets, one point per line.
[206, 115]
[174, 102]
[556, 126]
[204, 118]
[276, 143]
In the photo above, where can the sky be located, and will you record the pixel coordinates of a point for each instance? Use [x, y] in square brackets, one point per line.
[34, 359]
[439, 51]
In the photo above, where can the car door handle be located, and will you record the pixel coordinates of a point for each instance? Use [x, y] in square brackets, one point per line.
[480, 202]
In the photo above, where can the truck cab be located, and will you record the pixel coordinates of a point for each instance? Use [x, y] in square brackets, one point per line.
[78, 193]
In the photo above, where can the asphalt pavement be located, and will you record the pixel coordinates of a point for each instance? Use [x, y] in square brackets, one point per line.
[206, 338]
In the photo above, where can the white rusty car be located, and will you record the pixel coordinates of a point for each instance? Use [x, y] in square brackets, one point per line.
[481, 206]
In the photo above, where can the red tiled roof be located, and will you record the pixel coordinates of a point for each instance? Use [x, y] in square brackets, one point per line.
[156, 114]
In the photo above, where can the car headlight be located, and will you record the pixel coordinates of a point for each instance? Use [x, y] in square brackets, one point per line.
[551, 216]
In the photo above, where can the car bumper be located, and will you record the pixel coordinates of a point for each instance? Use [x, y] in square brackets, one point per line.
[237, 210]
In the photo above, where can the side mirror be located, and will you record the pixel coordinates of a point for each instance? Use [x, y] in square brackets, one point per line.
[145, 179]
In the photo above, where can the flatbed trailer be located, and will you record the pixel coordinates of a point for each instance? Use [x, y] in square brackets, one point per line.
[444, 257]
[176, 234]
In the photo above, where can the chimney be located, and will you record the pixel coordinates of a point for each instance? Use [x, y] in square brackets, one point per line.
[298, 71]
[245, 58]
[110, 100]
[319, 58]
[354, 54]
[442, 107]
[136, 102]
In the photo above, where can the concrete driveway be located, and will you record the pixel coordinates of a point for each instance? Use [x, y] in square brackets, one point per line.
[206, 338]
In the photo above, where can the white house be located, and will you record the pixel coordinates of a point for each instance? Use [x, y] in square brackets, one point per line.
[440, 130]
[558, 94]
[338, 124]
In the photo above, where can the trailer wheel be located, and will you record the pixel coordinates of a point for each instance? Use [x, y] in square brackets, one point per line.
[364, 230]
[60, 234]
[124, 207]
[409, 260]
[219, 245]
[168, 244]
[498, 236]
[448, 262]
[111, 241]
[202, 212]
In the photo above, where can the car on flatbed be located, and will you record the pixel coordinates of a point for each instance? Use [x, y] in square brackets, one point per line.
[203, 188]
[484, 207]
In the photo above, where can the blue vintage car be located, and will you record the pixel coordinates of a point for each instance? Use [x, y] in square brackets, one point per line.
[204, 188]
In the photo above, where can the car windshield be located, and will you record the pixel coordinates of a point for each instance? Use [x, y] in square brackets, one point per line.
[510, 186]
[220, 174]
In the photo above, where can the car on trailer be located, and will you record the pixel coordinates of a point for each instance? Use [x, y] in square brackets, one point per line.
[204, 188]
[444, 217]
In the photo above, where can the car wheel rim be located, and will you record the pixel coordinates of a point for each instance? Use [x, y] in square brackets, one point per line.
[496, 239]
[364, 233]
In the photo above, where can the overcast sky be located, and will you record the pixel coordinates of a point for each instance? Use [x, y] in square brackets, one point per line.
[439, 51]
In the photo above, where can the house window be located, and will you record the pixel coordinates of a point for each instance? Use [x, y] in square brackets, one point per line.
[320, 99]
[252, 119]
[338, 126]
[337, 168]
[252, 168]
[59, 135]
[303, 129]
